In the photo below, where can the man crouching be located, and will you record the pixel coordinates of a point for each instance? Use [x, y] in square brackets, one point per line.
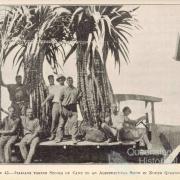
[31, 129]
[9, 134]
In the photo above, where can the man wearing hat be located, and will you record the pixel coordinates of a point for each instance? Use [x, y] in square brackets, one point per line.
[18, 95]
[69, 98]
[55, 97]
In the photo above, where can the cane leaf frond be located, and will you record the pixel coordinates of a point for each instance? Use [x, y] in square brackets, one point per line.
[104, 29]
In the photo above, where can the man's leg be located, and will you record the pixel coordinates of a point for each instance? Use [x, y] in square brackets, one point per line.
[3, 141]
[33, 146]
[23, 146]
[7, 148]
[55, 116]
[110, 132]
[60, 130]
[146, 140]
[49, 114]
[73, 126]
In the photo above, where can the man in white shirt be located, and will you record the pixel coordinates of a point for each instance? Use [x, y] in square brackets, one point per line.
[31, 128]
[55, 97]
[113, 123]
[69, 98]
[128, 129]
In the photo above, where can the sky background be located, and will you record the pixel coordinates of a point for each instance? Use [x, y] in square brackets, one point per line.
[152, 70]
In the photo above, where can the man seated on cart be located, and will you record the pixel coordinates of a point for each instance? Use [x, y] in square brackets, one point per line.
[31, 129]
[113, 124]
[9, 131]
[123, 128]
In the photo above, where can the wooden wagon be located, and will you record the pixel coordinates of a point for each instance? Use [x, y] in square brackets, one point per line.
[115, 152]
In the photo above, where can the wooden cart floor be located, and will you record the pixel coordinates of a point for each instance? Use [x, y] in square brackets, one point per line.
[85, 143]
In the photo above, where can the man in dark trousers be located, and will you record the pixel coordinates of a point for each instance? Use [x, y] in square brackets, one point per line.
[31, 129]
[9, 133]
[69, 98]
[18, 95]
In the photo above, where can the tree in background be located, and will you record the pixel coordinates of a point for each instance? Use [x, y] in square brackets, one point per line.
[38, 33]
[99, 30]
[35, 33]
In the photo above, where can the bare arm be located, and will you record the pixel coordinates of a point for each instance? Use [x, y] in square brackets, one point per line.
[134, 122]
[1, 80]
[79, 96]
[49, 97]
[9, 132]
[140, 119]
[128, 123]
[36, 132]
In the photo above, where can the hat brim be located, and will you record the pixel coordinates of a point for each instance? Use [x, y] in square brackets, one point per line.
[57, 79]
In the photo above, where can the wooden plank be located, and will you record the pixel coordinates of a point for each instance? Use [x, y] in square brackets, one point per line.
[152, 113]
[125, 97]
[64, 144]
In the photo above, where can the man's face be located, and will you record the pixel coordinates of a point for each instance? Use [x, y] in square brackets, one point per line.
[19, 80]
[51, 80]
[115, 110]
[127, 112]
[61, 81]
[69, 81]
[11, 112]
[29, 113]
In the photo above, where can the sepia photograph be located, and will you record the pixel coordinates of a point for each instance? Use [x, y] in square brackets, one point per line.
[89, 84]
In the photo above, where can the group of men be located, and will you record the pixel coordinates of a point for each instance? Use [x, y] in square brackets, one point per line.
[20, 121]
[62, 107]
[62, 102]
[10, 132]
[119, 127]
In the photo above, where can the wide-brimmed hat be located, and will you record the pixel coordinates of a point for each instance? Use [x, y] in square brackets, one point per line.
[60, 76]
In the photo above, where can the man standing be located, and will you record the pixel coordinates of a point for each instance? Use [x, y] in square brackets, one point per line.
[69, 98]
[18, 95]
[9, 134]
[51, 84]
[55, 97]
[31, 128]
[50, 90]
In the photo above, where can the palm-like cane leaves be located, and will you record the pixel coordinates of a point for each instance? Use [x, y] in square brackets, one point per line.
[37, 33]
[26, 27]
[99, 30]
[34, 32]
